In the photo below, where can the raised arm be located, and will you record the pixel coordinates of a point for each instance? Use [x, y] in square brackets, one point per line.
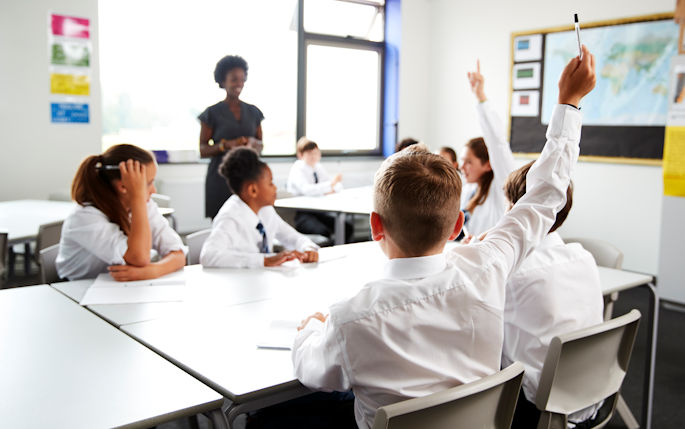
[520, 230]
[499, 151]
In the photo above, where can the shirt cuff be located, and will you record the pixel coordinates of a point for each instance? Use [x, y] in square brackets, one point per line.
[566, 122]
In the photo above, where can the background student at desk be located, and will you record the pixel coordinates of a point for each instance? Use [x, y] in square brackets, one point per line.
[308, 177]
[116, 223]
[243, 231]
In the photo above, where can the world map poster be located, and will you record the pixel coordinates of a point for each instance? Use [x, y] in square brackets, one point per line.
[632, 65]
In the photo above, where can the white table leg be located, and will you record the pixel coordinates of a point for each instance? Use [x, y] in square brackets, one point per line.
[339, 228]
[652, 330]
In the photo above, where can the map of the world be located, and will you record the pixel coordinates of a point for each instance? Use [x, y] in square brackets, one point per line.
[632, 63]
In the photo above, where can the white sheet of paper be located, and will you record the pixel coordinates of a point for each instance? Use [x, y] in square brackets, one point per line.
[106, 290]
[525, 103]
[528, 48]
[280, 335]
[526, 76]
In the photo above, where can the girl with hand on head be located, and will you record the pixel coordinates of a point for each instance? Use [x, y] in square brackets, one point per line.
[486, 164]
[116, 225]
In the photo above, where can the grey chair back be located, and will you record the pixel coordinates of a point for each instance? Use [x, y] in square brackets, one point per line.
[48, 270]
[195, 242]
[605, 253]
[584, 367]
[487, 403]
[48, 235]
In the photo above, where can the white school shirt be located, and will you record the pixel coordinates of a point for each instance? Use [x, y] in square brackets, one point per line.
[486, 215]
[301, 180]
[436, 322]
[555, 291]
[235, 241]
[90, 242]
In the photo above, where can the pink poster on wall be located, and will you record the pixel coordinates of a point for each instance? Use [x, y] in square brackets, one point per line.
[70, 26]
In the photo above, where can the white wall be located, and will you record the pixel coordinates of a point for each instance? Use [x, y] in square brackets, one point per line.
[618, 203]
[38, 157]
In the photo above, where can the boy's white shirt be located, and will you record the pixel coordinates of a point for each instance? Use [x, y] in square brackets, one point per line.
[436, 322]
[555, 291]
[486, 215]
[90, 242]
[301, 180]
[235, 241]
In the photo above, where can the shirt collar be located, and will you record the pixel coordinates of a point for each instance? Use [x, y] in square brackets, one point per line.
[248, 215]
[414, 268]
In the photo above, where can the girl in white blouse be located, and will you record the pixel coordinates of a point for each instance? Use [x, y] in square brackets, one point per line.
[116, 225]
[486, 164]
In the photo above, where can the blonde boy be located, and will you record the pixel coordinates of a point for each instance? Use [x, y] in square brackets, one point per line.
[435, 320]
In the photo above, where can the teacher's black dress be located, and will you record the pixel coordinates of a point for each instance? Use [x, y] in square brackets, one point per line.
[225, 126]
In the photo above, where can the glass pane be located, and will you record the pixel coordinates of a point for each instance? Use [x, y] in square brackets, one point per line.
[343, 90]
[342, 18]
[157, 75]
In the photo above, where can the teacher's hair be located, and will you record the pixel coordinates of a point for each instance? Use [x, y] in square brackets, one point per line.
[92, 184]
[225, 65]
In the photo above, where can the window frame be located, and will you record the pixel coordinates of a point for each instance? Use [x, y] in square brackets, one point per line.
[304, 39]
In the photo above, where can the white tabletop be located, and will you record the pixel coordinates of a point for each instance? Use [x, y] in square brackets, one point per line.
[21, 218]
[353, 200]
[62, 366]
[613, 280]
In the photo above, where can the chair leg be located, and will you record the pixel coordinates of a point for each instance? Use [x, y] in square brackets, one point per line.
[11, 260]
[625, 414]
[27, 259]
[551, 421]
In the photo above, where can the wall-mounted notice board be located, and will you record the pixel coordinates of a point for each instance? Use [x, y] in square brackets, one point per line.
[625, 115]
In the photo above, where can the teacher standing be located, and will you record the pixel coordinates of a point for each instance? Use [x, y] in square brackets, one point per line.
[229, 123]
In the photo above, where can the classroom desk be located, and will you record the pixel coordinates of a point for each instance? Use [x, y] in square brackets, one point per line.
[218, 344]
[613, 280]
[61, 366]
[21, 218]
[348, 201]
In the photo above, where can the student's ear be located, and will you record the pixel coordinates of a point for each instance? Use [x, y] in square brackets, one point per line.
[377, 231]
[488, 166]
[119, 187]
[252, 190]
[458, 226]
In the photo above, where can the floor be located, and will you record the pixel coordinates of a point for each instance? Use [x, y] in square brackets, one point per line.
[669, 394]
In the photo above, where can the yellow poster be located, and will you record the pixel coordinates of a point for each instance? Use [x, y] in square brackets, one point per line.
[674, 162]
[69, 84]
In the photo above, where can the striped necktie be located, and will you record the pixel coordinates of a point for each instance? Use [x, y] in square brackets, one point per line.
[264, 248]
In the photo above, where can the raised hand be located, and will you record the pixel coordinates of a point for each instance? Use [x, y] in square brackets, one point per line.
[477, 82]
[577, 79]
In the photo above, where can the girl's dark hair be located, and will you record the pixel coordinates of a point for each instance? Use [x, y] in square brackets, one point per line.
[92, 184]
[480, 150]
[448, 150]
[240, 166]
[226, 64]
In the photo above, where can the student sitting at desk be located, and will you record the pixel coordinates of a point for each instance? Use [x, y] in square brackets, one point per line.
[436, 320]
[116, 223]
[243, 231]
[555, 290]
[308, 177]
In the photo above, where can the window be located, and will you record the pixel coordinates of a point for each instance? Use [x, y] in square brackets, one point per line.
[315, 68]
[341, 66]
[157, 61]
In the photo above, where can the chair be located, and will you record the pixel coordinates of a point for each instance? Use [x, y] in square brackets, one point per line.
[195, 242]
[585, 367]
[48, 270]
[486, 403]
[164, 201]
[4, 250]
[48, 235]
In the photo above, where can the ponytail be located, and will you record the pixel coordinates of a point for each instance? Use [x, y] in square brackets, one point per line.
[92, 184]
[480, 150]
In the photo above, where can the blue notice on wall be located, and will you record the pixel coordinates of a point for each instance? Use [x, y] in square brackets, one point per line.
[70, 112]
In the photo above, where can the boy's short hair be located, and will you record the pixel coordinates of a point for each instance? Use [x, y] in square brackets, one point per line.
[416, 193]
[515, 188]
[448, 150]
[240, 166]
[305, 145]
[405, 143]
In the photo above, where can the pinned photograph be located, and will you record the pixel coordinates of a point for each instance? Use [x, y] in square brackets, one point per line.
[528, 48]
[526, 76]
[525, 103]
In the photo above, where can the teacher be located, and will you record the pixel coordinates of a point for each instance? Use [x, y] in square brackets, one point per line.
[229, 123]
